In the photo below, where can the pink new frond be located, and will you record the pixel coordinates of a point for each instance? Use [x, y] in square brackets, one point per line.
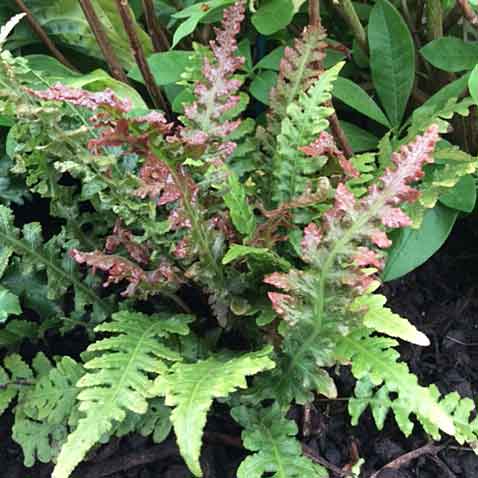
[84, 98]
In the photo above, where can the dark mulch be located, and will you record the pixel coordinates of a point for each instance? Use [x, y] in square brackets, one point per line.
[441, 298]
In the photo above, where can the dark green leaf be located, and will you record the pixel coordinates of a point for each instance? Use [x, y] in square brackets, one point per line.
[262, 84]
[360, 140]
[412, 247]
[462, 197]
[355, 97]
[451, 54]
[272, 16]
[392, 59]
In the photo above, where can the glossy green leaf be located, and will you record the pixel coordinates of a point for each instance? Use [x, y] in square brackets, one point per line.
[272, 16]
[262, 84]
[272, 60]
[193, 15]
[451, 54]
[354, 96]
[392, 59]
[412, 247]
[166, 67]
[462, 197]
[360, 140]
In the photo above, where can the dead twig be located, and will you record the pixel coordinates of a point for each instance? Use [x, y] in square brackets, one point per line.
[131, 460]
[429, 449]
[158, 35]
[310, 453]
[112, 61]
[155, 93]
[41, 33]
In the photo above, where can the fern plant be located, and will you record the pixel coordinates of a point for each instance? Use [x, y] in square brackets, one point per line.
[286, 255]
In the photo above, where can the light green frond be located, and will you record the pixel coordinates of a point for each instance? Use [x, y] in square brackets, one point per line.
[191, 389]
[375, 364]
[276, 450]
[304, 120]
[118, 378]
[382, 319]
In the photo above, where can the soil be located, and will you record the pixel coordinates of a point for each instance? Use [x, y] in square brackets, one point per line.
[440, 298]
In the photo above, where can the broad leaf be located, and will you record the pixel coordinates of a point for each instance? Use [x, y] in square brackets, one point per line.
[462, 196]
[272, 16]
[355, 97]
[412, 247]
[167, 67]
[392, 59]
[451, 54]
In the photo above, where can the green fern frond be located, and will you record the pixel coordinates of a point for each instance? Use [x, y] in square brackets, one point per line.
[451, 164]
[39, 437]
[118, 378]
[191, 389]
[240, 211]
[365, 165]
[61, 271]
[53, 398]
[299, 67]
[304, 120]
[155, 422]
[375, 364]
[276, 450]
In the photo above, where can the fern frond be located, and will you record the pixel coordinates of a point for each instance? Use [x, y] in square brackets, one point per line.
[53, 397]
[118, 378]
[304, 119]
[61, 271]
[344, 254]
[276, 450]
[364, 164]
[155, 422]
[375, 364]
[191, 389]
[39, 438]
[299, 68]
[451, 164]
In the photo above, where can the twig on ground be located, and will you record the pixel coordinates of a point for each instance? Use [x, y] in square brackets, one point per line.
[429, 449]
[309, 453]
[155, 29]
[156, 96]
[112, 61]
[41, 33]
[131, 460]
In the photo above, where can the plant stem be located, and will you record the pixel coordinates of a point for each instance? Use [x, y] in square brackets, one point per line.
[434, 19]
[155, 93]
[158, 35]
[314, 12]
[112, 61]
[40, 32]
[468, 12]
[349, 14]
